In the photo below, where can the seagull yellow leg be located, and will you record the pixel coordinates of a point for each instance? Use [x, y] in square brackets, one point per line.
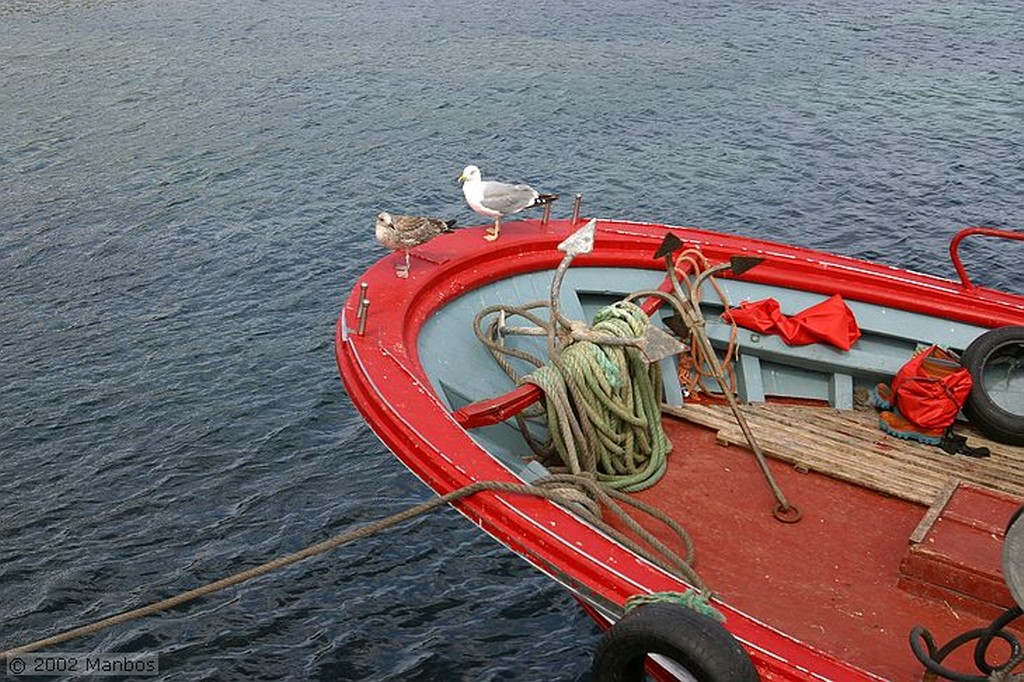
[493, 232]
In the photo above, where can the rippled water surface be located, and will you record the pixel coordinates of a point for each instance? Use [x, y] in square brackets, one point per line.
[187, 192]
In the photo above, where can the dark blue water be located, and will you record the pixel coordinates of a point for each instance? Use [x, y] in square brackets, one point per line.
[187, 192]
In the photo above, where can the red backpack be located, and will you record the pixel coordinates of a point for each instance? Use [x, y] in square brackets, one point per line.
[930, 388]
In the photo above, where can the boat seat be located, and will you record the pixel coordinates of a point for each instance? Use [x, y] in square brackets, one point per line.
[766, 364]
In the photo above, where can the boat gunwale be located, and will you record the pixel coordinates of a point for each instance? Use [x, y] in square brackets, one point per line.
[629, 244]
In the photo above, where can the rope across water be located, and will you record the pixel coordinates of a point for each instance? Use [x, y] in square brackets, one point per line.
[552, 488]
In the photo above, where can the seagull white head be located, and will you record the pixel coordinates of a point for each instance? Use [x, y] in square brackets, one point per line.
[384, 218]
[470, 173]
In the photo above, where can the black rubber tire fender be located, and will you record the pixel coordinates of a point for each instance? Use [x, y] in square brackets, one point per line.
[994, 421]
[1013, 556]
[705, 649]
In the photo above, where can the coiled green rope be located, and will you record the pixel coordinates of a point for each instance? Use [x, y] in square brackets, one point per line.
[602, 404]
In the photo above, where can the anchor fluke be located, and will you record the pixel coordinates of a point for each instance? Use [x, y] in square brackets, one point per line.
[740, 264]
[656, 345]
[580, 241]
[677, 326]
[668, 245]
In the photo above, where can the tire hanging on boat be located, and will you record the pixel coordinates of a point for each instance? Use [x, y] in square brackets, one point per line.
[697, 643]
[1013, 556]
[998, 350]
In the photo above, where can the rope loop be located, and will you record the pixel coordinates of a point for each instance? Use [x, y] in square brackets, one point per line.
[693, 600]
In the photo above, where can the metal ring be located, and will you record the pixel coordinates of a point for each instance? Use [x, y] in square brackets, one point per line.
[788, 513]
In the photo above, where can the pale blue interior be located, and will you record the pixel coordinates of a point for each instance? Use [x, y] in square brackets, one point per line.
[462, 370]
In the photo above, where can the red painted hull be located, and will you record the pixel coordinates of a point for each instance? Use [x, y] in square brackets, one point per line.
[385, 380]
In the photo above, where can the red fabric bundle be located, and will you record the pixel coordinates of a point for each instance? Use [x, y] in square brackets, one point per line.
[830, 321]
[931, 388]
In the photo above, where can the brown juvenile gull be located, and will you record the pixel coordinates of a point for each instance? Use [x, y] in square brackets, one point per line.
[402, 232]
[497, 199]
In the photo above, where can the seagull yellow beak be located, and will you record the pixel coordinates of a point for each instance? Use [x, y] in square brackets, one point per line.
[462, 177]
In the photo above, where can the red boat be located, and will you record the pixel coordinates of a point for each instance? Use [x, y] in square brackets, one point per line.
[712, 441]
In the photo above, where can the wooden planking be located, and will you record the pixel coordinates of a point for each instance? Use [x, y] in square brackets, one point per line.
[848, 445]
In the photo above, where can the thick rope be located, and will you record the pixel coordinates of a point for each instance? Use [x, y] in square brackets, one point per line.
[602, 400]
[249, 574]
[573, 492]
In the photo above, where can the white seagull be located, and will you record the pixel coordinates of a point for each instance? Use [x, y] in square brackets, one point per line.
[402, 232]
[497, 199]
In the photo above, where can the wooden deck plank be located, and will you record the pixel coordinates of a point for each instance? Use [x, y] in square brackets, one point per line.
[848, 444]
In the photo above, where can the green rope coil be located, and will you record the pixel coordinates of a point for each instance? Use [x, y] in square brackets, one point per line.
[602, 404]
